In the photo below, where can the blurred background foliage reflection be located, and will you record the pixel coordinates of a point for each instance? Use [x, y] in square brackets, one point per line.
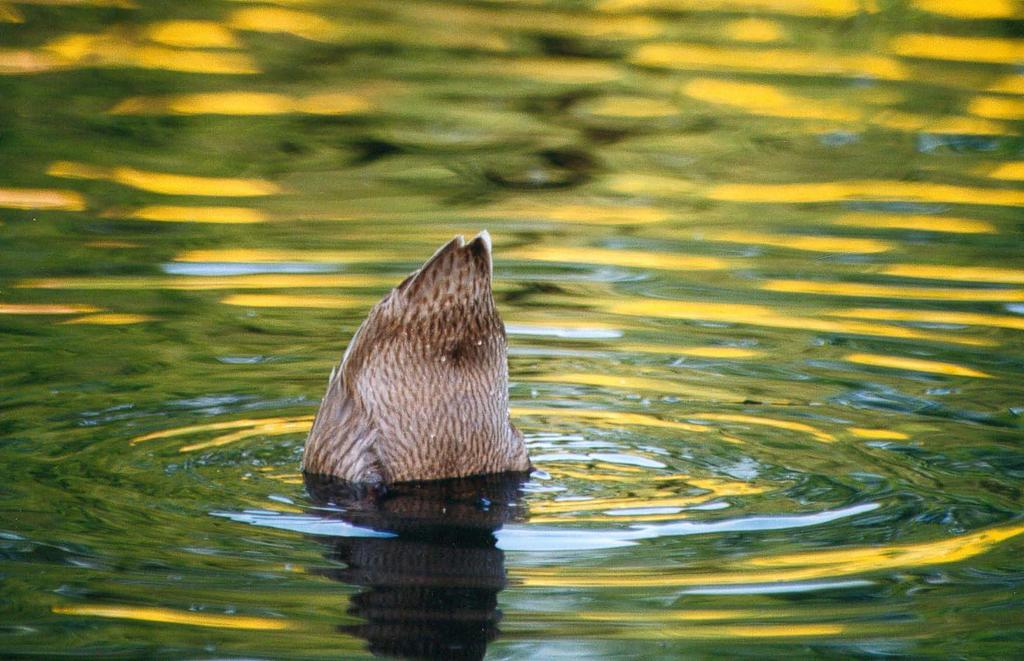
[760, 262]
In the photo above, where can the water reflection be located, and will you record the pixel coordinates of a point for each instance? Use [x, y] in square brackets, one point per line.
[429, 589]
[760, 261]
[166, 183]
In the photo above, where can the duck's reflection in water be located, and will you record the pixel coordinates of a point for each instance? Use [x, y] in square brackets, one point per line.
[430, 590]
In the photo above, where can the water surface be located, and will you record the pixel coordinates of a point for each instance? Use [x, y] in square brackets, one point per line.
[760, 262]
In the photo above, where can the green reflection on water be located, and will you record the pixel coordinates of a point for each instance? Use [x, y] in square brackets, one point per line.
[757, 259]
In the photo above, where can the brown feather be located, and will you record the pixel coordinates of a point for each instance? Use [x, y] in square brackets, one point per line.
[422, 390]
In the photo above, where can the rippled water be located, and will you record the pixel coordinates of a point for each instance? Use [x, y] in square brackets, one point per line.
[760, 262]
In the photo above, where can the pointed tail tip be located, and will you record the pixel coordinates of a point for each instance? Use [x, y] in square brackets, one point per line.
[481, 247]
[481, 239]
[485, 238]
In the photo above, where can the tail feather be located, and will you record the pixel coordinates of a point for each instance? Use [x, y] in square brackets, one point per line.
[459, 269]
[422, 389]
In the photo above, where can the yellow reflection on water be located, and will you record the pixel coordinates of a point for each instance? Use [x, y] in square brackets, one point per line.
[713, 488]
[727, 353]
[176, 214]
[864, 559]
[275, 473]
[965, 49]
[878, 434]
[166, 183]
[192, 34]
[971, 8]
[683, 56]
[775, 423]
[805, 566]
[275, 428]
[965, 273]
[626, 258]
[200, 283]
[916, 222]
[243, 104]
[285, 478]
[333, 103]
[729, 632]
[892, 291]
[46, 308]
[798, 242]
[110, 319]
[1011, 170]
[813, 8]
[997, 108]
[880, 190]
[652, 625]
[759, 315]
[914, 365]
[613, 419]
[618, 509]
[292, 301]
[217, 426]
[755, 30]
[41, 198]
[223, 103]
[117, 49]
[588, 214]
[768, 100]
[259, 255]
[169, 616]
[702, 615]
[772, 101]
[607, 473]
[934, 317]
[637, 383]
[303, 24]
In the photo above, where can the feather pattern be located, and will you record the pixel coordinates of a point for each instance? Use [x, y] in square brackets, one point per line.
[422, 390]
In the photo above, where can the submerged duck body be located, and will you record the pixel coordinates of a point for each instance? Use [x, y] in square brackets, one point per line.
[422, 390]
